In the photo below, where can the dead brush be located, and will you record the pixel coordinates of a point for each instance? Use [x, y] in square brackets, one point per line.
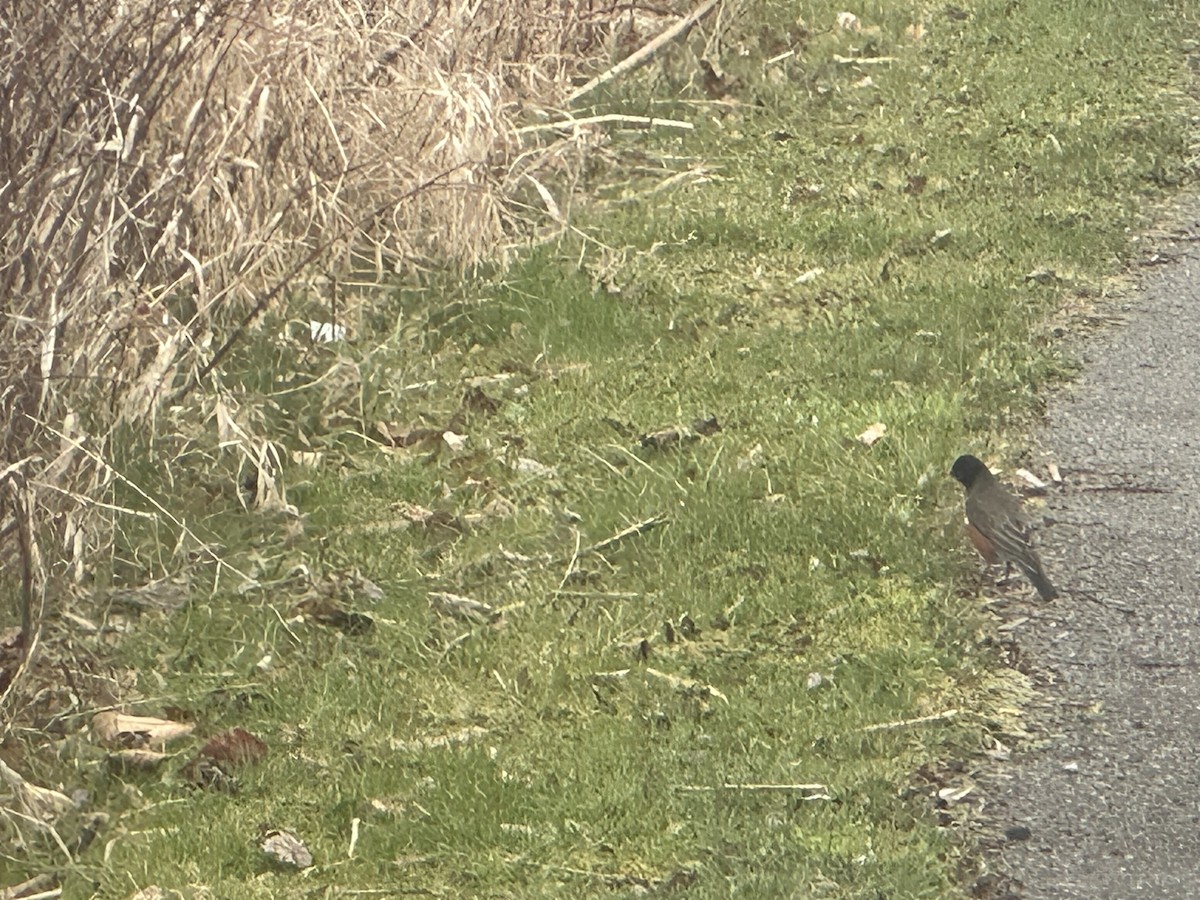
[169, 168]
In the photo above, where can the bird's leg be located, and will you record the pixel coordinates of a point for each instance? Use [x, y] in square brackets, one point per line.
[1007, 577]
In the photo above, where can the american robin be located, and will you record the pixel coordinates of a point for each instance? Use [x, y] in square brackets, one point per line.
[995, 524]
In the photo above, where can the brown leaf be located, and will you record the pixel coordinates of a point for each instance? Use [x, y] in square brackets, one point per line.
[872, 434]
[455, 441]
[136, 760]
[916, 185]
[526, 465]
[44, 885]
[463, 607]
[664, 438]
[397, 436]
[167, 594]
[365, 587]
[203, 772]
[1035, 484]
[678, 434]
[715, 84]
[137, 731]
[41, 804]
[475, 400]
[234, 748]
[415, 514]
[328, 612]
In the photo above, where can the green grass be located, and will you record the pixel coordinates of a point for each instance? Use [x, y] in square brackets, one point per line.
[1038, 130]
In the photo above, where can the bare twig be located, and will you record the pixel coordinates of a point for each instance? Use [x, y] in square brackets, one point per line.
[463, 608]
[643, 55]
[598, 595]
[40, 806]
[19, 496]
[39, 886]
[637, 528]
[904, 723]
[570, 565]
[568, 124]
[33, 580]
[752, 788]
[863, 60]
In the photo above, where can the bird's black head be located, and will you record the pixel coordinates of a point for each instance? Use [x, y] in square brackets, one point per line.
[967, 468]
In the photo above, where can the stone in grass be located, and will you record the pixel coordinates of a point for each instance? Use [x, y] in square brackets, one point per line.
[285, 849]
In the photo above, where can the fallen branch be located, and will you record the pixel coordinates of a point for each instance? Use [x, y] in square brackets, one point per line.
[644, 54]
[646, 121]
[1092, 598]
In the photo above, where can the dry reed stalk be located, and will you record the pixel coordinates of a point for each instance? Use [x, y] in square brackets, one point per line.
[199, 150]
[168, 167]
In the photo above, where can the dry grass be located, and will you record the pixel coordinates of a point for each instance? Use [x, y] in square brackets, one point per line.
[170, 169]
[472, 650]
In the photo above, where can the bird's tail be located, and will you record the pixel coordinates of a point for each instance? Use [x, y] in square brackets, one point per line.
[1035, 574]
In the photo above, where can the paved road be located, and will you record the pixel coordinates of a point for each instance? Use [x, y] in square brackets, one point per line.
[1112, 799]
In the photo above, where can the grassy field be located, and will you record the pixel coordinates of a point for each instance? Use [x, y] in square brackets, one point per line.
[716, 703]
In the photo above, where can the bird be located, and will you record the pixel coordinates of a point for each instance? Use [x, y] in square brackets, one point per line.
[995, 524]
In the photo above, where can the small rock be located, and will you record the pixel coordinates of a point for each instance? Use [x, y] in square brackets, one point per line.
[1018, 833]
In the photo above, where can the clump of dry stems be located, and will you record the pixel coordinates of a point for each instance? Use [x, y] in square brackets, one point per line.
[168, 167]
